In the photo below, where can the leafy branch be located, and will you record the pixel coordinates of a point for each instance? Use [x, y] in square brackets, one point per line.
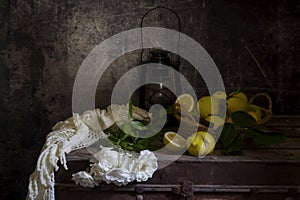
[244, 127]
[127, 136]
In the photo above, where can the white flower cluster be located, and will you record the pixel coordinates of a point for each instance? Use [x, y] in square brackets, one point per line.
[118, 168]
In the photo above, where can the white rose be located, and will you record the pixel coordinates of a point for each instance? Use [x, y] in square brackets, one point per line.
[127, 162]
[145, 166]
[97, 172]
[120, 168]
[84, 179]
[118, 176]
[106, 158]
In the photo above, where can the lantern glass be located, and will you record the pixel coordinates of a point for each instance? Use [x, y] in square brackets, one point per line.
[160, 73]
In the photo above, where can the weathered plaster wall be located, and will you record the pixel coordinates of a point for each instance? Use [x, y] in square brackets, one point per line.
[43, 43]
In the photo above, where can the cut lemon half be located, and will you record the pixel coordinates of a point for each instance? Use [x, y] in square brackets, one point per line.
[201, 144]
[174, 142]
[186, 101]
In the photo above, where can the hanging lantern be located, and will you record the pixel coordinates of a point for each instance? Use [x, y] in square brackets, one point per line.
[159, 73]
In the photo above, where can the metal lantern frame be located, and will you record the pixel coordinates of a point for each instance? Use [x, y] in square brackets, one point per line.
[175, 65]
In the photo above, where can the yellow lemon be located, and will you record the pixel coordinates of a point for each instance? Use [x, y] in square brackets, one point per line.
[174, 142]
[220, 95]
[201, 143]
[241, 95]
[254, 115]
[256, 110]
[186, 101]
[229, 120]
[208, 106]
[216, 120]
[237, 104]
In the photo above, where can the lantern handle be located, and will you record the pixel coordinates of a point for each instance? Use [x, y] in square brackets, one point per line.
[179, 30]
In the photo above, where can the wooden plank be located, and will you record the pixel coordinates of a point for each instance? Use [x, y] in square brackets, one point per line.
[196, 188]
[92, 195]
[287, 124]
[213, 171]
[229, 173]
[250, 155]
[284, 121]
[288, 131]
[290, 143]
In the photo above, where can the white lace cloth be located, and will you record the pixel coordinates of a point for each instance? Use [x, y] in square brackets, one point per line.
[74, 133]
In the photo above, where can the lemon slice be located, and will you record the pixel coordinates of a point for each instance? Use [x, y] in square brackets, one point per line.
[186, 101]
[174, 142]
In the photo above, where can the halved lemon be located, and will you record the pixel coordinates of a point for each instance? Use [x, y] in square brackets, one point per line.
[200, 144]
[186, 101]
[174, 142]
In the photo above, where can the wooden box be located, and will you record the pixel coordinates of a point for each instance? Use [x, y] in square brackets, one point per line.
[271, 172]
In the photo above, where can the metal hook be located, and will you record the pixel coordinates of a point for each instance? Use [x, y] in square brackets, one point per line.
[179, 29]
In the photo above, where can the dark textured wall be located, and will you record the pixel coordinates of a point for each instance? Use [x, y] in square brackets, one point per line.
[43, 43]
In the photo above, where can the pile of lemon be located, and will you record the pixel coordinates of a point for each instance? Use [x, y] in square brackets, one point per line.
[238, 101]
[198, 144]
[210, 108]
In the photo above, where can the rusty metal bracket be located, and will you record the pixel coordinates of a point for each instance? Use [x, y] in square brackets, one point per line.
[293, 191]
[187, 189]
[139, 189]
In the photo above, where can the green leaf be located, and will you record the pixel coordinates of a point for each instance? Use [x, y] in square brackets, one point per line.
[228, 135]
[235, 148]
[138, 147]
[265, 138]
[130, 108]
[144, 142]
[261, 128]
[127, 130]
[113, 139]
[243, 120]
[236, 145]
[169, 110]
[126, 145]
[129, 148]
[123, 145]
[138, 125]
